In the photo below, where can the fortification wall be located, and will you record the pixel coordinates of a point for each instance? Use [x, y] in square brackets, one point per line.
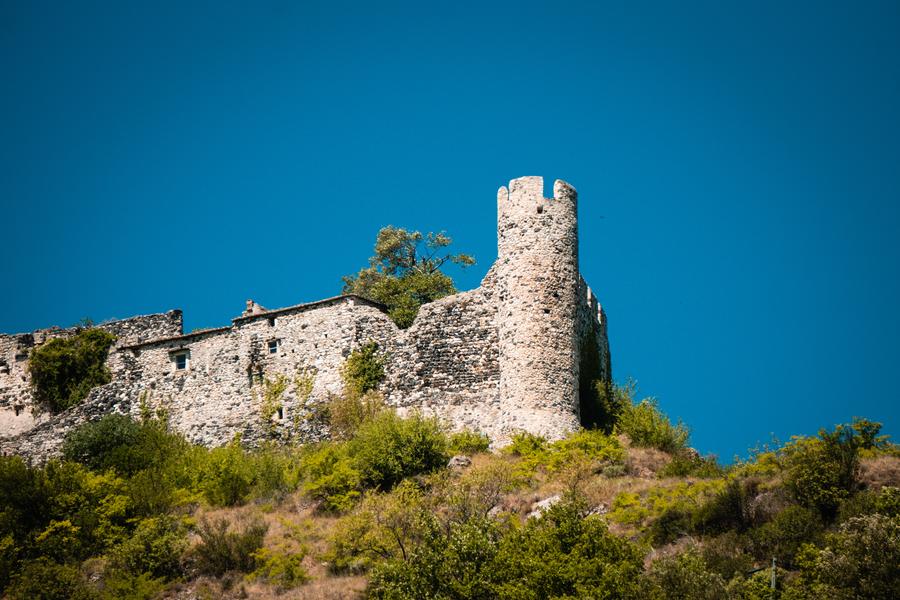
[519, 352]
[18, 411]
[447, 363]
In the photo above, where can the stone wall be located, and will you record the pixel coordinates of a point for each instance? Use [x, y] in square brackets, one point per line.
[18, 412]
[519, 352]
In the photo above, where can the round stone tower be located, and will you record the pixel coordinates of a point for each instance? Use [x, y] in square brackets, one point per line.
[538, 283]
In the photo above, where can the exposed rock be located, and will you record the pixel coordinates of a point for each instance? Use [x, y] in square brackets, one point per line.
[459, 461]
[539, 508]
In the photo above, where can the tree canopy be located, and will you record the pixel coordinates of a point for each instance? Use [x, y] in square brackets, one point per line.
[405, 272]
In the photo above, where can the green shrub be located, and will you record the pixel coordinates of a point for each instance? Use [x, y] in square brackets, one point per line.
[331, 476]
[154, 548]
[388, 448]
[468, 442]
[363, 370]
[728, 555]
[276, 473]
[113, 442]
[383, 526]
[525, 444]
[123, 585]
[282, 569]
[42, 579]
[727, 510]
[648, 427]
[683, 576]
[221, 550]
[563, 554]
[64, 370]
[453, 563]
[689, 464]
[96, 506]
[823, 471]
[859, 561]
[782, 536]
[227, 476]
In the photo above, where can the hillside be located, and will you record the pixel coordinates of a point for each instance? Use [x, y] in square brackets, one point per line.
[397, 508]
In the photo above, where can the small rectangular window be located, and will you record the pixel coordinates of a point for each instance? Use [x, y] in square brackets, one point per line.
[181, 360]
[280, 413]
[271, 321]
[273, 346]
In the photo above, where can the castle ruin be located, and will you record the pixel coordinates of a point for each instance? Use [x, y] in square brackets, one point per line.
[520, 352]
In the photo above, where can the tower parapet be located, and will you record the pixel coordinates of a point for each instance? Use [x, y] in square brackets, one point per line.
[538, 284]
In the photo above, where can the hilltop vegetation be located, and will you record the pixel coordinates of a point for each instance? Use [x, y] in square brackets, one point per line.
[134, 511]
[405, 272]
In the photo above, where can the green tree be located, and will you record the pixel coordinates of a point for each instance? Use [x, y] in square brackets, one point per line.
[405, 272]
[64, 370]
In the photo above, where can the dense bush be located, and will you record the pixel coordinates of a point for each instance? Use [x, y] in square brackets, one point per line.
[154, 548]
[727, 510]
[783, 536]
[468, 442]
[448, 563]
[221, 550]
[281, 568]
[113, 442]
[560, 555]
[690, 464]
[646, 426]
[823, 471]
[64, 370]
[523, 443]
[332, 477]
[683, 576]
[859, 561]
[388, 448]
[42, 579]
[564, 554]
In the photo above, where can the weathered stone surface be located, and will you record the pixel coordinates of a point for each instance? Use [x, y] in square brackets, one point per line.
[18, 412]
[539, 508]
[519, 352]
[459, 461]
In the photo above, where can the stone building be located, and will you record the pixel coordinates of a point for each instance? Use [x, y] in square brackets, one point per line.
[520, 352]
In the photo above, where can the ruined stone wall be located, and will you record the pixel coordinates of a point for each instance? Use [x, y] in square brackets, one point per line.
[18, 412]
[519, 352]
[220, 393]
[447, 363]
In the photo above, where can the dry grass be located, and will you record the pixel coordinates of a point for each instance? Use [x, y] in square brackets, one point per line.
[645, 462]
[877, 472]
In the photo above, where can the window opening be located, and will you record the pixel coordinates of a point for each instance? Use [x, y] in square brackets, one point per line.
[181, 360]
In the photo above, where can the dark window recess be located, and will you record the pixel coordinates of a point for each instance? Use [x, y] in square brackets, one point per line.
[181, 361]
[271, 321]
[546, 311]
[273, 346]
[18, 410]
[280, 413]
[21, 357]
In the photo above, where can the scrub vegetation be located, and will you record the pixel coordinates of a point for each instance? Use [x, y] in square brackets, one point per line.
[131, 510]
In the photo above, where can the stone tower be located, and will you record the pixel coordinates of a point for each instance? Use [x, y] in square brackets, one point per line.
[538, 283]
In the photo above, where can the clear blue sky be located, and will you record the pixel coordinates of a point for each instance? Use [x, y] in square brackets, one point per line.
[738, 170]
